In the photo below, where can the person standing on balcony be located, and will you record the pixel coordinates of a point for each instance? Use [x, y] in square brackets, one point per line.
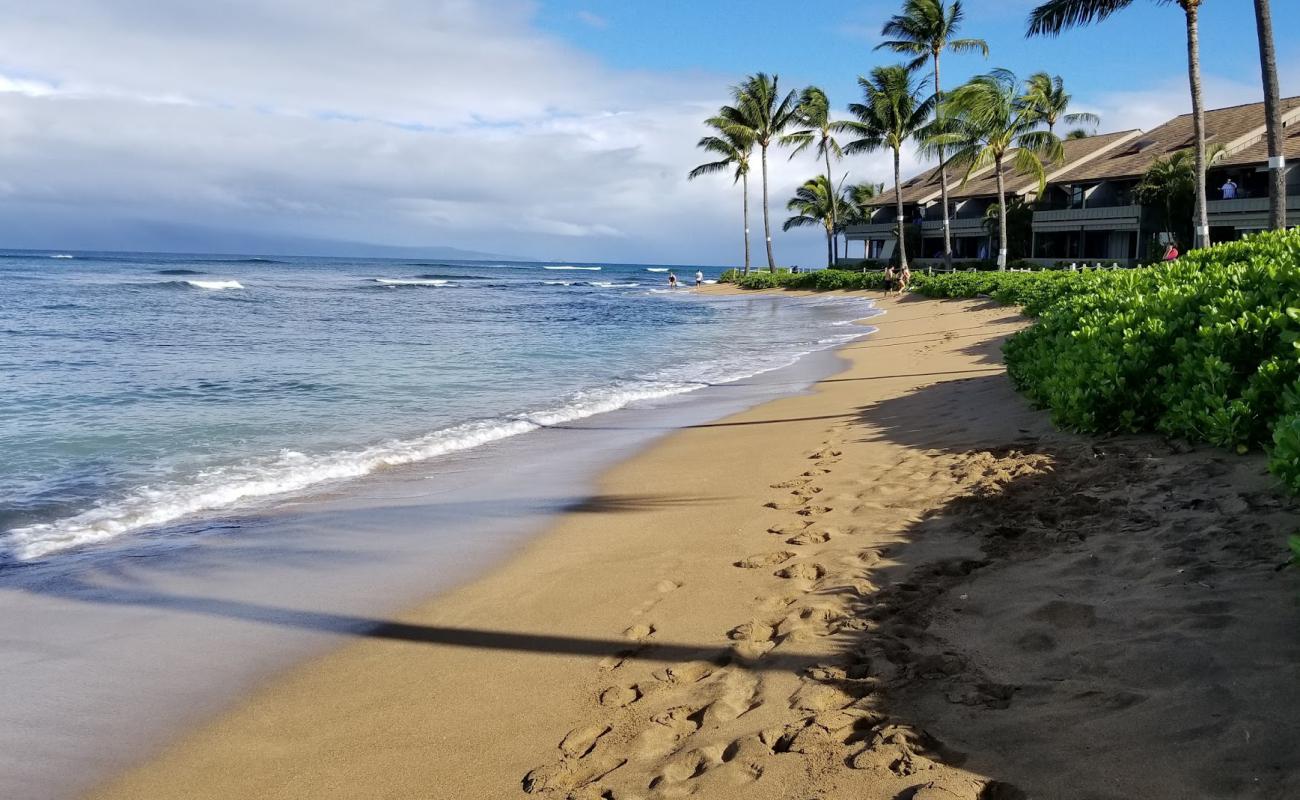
[1229, 190]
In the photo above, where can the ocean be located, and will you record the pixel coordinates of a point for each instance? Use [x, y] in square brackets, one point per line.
[144, 392]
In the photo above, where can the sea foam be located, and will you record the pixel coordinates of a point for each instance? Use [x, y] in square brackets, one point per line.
[411, 281]
[292, 471]
[215, 285]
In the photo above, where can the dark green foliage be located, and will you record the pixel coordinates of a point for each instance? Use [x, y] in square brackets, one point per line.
[1202, 349]
[824, 280]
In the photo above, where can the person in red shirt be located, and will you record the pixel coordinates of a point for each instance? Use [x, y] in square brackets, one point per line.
[1172, 253]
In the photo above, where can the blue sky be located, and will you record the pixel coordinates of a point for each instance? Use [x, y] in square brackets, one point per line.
[835, 43]
[556, 129]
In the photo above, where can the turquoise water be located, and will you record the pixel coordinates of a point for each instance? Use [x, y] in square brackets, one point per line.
[142, 390]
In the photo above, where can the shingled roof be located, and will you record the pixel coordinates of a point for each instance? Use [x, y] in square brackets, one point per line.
[1077, 153]
[1235, 128]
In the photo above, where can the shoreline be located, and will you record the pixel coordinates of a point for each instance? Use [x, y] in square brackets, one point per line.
[659, 639]
[123, 648]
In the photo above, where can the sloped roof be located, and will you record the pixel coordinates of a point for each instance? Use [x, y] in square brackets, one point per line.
[1225, 126]
[1076, 153]
[1257, 153]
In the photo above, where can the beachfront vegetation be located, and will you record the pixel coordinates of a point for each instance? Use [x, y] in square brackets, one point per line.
[925, 30]
[892, 113]
[817, 127]
[822, 280]
[1048, 96]
[733, 145]
[1202, 349]
[991, 121]
[764, 114]
[818, 203]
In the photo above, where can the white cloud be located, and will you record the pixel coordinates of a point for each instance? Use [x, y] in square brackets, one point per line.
[402, 122]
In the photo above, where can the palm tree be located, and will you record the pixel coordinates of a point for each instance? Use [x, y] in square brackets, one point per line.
[1048, 95]
[734, 146]
[817, 202]
[925, 30]
[1054, 16]
[893, 112]
[1079, 133]
[765, 113]
[1273, 109]
[857, 206]
[814, 117]
[989, 121]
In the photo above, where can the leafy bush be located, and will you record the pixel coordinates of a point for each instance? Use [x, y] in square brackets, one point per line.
[1201, 349]
[822, 280]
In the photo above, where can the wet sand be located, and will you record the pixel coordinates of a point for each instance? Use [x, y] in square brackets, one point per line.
[902, 584]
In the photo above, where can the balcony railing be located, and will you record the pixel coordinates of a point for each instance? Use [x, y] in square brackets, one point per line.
[1248, 205]
[1082, 214]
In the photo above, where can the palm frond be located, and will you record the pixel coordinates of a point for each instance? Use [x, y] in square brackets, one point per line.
[1055, 16]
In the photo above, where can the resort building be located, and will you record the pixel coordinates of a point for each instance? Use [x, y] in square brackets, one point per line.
[1089, 211]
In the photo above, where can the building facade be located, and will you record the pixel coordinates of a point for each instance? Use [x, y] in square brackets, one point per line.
[1089, 210]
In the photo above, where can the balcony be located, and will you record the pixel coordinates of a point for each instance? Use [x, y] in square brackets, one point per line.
[957, 226]
[1249, 205]
[876, 230]
[1075, 219]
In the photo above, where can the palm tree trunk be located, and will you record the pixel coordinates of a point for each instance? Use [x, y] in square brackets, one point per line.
[830, 247]
[1002, 216]
[1201, 234]
[744, 183]
[943, 175]
[898, 203]
[1273, 110]
[767, 223]
[830, 185]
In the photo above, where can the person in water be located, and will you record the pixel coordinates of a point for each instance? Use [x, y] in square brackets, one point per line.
[699, 278]
[672, 280]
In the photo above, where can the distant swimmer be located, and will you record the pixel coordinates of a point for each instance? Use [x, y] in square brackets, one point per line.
[672, 280]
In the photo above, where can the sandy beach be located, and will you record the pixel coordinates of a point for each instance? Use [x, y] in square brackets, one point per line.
[902, 583]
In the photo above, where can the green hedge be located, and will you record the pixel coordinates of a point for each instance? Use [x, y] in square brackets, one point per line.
[1202, 349]
[824, 280]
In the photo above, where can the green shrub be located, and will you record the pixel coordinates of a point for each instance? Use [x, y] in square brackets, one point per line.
[1201, 349]
[825, 280]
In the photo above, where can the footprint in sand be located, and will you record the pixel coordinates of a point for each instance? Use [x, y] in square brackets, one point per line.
[791, 528]
[805, 572]
[813, 511]
[809, 537]
[580, 741]
[765, 560]
[786, 503]
[685, 674]
[639, 632]
[619, 696]
[794, 483]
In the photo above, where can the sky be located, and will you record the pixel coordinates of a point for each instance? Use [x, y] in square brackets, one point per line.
[544, 129]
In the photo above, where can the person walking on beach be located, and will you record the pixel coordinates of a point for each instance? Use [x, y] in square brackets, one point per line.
[891, 280]
[699, 278]
[904, 278]
[672, 280]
